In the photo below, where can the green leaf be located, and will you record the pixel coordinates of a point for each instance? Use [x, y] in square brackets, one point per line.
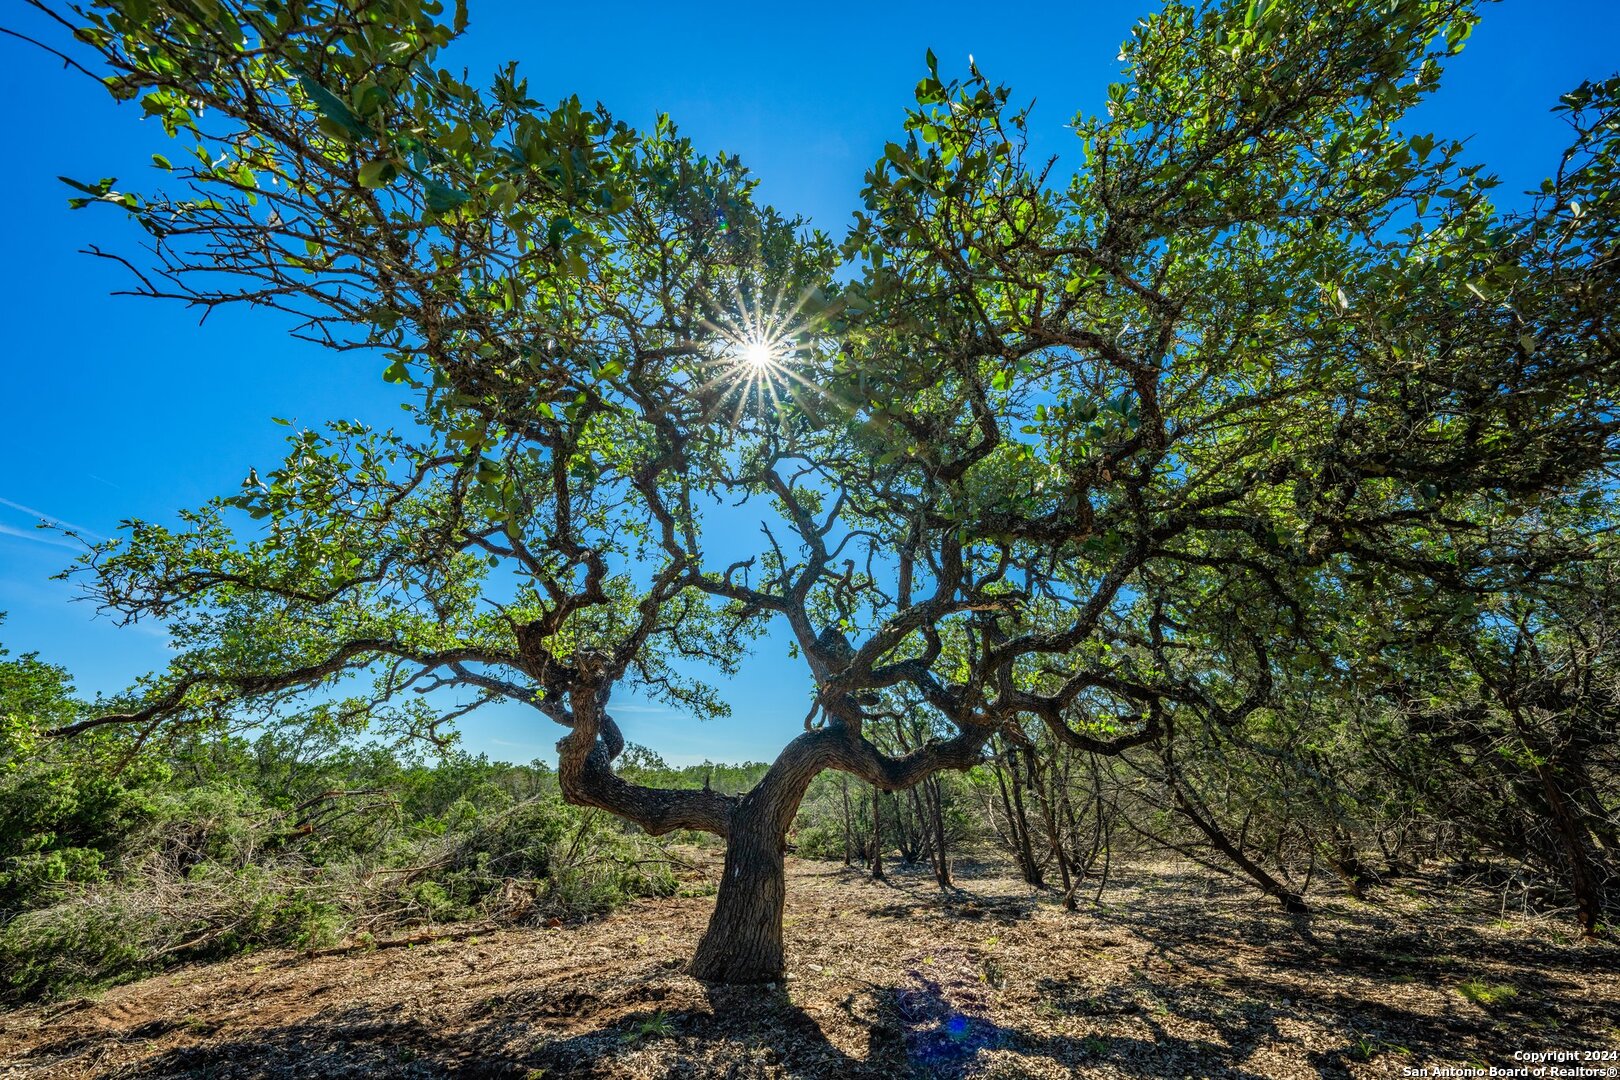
[334, 109]
[376, 174]
[100, 189]
[441, 198]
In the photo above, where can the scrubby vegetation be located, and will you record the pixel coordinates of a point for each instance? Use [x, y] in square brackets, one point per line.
[119, 858]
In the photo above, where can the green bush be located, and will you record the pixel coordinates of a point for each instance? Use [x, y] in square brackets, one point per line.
[118, 859]
[72, 945]
[63, 806]
[820, 840]
[552, 859]
[223, 865]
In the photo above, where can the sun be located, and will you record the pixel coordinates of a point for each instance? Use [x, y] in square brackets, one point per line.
[757, 354]
[760, 352]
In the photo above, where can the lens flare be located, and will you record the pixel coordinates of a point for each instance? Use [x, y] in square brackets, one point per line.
[763, 344]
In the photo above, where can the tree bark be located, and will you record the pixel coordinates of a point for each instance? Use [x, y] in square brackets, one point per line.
[1048, 797]
[1582, 880]
[743, 943]
[849, 834]
[1572, 834]
[1021, 830]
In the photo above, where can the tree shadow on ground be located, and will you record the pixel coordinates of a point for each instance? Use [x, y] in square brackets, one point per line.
[1179, 1004]
[1353, 947]
[726, 1031]
[1245, 1017]
[931, 1025]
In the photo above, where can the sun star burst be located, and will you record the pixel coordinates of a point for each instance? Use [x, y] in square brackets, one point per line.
[761, 348]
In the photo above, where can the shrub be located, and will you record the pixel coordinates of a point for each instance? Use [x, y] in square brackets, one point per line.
[213, 869]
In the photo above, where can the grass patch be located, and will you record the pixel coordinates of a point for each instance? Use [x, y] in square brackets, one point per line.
[1486, 994]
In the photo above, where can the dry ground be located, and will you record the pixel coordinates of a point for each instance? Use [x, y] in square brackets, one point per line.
[1174, 975]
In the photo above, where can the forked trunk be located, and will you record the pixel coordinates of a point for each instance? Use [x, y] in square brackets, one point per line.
[743, 943]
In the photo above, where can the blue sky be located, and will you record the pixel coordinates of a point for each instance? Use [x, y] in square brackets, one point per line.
[116, 408]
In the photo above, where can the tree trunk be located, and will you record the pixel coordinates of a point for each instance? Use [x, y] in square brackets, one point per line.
[743, 943]
[1582, 880]
[936, 808]
[849, 831]
[877, 834]
[1342, 859]
[1572, 835]
[1291, 901]
[920, 838]
[1048, 796]
[1188, 807]
[1026, 847]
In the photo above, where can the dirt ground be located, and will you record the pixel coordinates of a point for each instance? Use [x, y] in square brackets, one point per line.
[1174, 975]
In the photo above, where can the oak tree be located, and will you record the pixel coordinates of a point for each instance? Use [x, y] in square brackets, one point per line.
[1095, 457]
